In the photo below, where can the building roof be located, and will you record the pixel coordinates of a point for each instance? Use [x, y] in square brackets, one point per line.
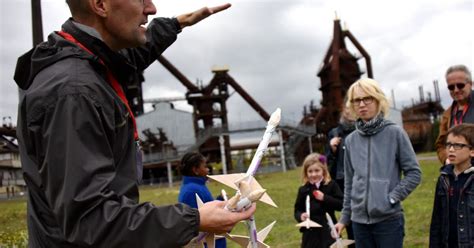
[176, 124]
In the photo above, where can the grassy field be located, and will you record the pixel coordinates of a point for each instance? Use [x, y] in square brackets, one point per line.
[282, 187]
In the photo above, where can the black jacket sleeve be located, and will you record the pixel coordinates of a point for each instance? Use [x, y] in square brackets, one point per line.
[300, 205]
[436, 220]
[330, 155]
[333, 198]
[79, 178]
[161, 33]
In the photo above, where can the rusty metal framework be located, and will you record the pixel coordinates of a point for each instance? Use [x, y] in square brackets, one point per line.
[419, 120]
[210, 109]
[338, 71]
[209, 102]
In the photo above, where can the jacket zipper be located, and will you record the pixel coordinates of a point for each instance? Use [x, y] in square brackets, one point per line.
[368, 184]
[460, 197]
[446, 184]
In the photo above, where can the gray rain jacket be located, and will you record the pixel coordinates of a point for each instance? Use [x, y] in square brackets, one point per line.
[78, 151]
[373, 165]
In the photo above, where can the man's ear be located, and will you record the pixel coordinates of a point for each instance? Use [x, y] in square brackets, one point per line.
[472, 153]
[100, 7]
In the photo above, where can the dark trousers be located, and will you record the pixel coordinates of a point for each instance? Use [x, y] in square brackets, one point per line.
[386, 234]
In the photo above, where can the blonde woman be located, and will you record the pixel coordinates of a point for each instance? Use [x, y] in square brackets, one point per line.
[377, 154]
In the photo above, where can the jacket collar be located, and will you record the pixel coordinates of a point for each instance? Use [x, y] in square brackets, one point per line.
[197, 180]
[470, 101]
[120, 67]
[449, 170]
[469, 170]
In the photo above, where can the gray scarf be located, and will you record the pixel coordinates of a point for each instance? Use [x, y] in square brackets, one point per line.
[371, 127]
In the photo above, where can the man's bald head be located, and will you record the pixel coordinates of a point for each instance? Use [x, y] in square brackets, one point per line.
[79, 8]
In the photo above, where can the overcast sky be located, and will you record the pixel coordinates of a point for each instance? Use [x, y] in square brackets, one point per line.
[274, 47]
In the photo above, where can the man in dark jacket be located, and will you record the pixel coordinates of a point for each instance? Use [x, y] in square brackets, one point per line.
[335, 148]
[335, 153]
[459, 80]
[77, 134]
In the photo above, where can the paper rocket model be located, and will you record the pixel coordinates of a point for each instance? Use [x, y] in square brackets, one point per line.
[248, 189]
[340, 243]
[308, 222]
[244, 241]
[233, 180]
[203, 237]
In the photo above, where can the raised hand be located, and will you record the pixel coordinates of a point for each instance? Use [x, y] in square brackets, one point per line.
[194, 17]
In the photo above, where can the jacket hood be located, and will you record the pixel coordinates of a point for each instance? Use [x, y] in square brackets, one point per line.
[43, 55]
[448, 169]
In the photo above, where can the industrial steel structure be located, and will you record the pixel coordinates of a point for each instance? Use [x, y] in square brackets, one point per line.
[337, 72]
[339, 69]
[420, 120]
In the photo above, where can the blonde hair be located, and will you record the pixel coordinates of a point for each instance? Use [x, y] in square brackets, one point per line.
[371, 88]
[321, 161]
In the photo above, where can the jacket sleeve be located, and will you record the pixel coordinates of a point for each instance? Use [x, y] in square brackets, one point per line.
[161, 33]
[408, 165]
[330, 155]
[189, 197]
[440, 141]
[346, 212]
[77, 173]
[300, 205]
[333, 199]
[436, 220]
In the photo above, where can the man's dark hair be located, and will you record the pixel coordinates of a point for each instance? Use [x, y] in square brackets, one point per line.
[465, 130]
[189, 161]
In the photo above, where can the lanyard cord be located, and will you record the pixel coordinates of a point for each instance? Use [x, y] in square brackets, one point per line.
[464, 110]
[110, 79]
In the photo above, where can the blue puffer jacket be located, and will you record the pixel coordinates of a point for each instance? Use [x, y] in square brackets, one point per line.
[187, 194]
[192, 186]
[439, 229]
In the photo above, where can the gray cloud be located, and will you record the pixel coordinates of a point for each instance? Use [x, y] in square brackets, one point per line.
[274, 48]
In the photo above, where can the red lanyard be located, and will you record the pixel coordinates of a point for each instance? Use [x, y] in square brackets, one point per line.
[110, 78]
[464, 110]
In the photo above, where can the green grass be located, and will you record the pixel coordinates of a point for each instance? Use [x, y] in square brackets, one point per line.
[427, 154]
[282, 187]
[13, 223]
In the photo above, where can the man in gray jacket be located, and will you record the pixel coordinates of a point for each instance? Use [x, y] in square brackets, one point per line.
[78, 138]
[377, 153]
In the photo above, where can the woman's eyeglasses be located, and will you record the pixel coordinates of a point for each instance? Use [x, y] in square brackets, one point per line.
[457, 146]
[460, 86]
[367, 100]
